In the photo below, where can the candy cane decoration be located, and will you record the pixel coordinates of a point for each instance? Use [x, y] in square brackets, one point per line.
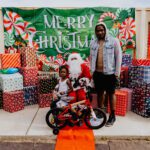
[60, 61]
[122, 39]
[114, 32]
[120, 10]
[42, 57]
[128, 28]
[29, 29]
[8, 39]
[51, 58]
[13, 23]
[108, 14]
[35, 45]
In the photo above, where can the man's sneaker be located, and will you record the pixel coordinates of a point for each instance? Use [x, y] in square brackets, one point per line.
[110, 121]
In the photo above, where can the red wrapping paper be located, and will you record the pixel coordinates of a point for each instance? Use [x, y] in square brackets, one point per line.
[13, 101]
[45, 100]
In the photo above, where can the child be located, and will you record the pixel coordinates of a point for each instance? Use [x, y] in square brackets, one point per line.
[62, 89]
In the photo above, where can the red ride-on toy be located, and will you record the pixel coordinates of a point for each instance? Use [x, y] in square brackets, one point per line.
[75, 114]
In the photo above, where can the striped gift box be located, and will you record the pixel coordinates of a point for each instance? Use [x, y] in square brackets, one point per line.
[28, 57]
[141, 62]
[10, 60]
[121, 103]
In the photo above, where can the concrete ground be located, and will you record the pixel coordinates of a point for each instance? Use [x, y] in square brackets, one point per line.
[27, 128]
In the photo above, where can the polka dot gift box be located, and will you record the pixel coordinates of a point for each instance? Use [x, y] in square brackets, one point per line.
[11, 82]
[13, 101]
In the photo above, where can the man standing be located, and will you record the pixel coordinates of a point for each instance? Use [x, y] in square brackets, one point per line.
[79, 74]
[106, 57]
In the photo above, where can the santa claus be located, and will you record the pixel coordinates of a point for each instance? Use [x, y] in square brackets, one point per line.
[79, 74]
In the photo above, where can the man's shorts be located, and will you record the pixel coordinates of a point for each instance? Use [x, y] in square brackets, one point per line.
[104, 82]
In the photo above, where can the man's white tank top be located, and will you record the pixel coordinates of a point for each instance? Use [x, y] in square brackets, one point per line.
[63, 87]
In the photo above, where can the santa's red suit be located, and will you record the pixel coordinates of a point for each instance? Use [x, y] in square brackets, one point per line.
[79, 75]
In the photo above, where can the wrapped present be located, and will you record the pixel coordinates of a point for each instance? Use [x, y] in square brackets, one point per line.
[1, 99]
[141, 99]
[122, 78]
[121, 103]
[30, 76]
[137, 73]
[126, 72]
[94, 101]
[45, 100]
[10, 60]
[126, 60]
[11, 82]
[47, 74]
[28, 56]
[129, 101]
[133, 76]
[47, 85]
[144, 73]
[141, 62]
[13, 101]
[30, 95]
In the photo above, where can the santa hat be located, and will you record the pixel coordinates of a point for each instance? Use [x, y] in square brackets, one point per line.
[75, 55]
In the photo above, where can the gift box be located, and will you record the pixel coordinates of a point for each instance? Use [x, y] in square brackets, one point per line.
[47, 85]
[47, 74]
[126, 60]
[30, 76]
[141, 62]
[11, 82]
[121, 103]
[13, 101]
[10, 60]
[94, 101]
[126, 72]
[141, 99]
[122, 78]
[1, 99]
[139, 73]
[144, 73]
[129, 101]
[28, 57]
[30, 95]
[44, 100]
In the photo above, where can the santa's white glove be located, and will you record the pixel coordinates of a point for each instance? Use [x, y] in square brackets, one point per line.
[91, 83]
[84, 82]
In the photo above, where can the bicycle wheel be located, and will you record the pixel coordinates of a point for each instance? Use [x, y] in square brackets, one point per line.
[52, 119]
[95, 123]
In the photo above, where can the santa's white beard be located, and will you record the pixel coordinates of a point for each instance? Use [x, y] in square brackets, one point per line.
[75, 68]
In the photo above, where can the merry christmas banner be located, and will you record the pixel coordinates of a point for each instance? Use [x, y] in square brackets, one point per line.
[55, 33]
